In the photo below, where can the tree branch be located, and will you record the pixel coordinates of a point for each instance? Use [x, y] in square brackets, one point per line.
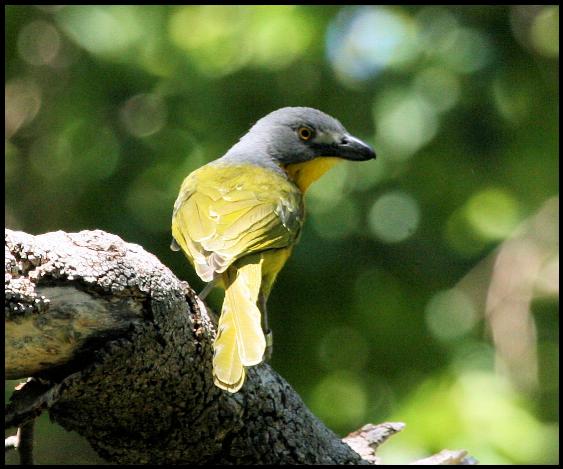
[121, 352]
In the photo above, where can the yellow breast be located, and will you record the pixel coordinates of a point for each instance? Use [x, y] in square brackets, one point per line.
[306, 173]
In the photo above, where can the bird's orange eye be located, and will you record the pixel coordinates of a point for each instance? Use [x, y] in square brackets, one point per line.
[305, 133]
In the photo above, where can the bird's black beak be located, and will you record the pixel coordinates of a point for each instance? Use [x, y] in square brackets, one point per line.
[352, 148]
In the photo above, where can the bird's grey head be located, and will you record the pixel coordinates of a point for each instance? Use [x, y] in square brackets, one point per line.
[298, 134]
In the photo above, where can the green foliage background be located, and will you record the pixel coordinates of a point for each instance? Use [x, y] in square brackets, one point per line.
[425, 285]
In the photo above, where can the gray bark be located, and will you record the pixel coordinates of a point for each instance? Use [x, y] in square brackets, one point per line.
[140, 341]
[120, 351]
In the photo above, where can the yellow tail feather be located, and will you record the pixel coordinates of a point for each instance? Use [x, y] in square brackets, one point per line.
[241, 297]
[240, 340]
[228, 372]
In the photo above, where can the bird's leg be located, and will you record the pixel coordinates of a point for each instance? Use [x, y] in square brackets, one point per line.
[208, 289]
[267, 332]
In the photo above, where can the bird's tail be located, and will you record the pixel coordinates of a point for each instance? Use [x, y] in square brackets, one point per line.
[240, 340]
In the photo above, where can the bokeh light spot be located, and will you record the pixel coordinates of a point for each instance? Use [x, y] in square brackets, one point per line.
[406, 122]
[22, 103]
[450, 314]
[39, 43]
[104, 30]
[144, 114]
[468, 51]
[211, 34]
[493, 213]
[271, 23]
[340, 400]
[221, 39]
[394, 217]
[362, 41]
[544, 33]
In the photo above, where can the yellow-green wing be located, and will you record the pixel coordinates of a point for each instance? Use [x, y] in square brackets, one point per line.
[225, 212]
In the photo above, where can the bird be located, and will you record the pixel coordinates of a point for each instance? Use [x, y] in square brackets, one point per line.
[238, 218]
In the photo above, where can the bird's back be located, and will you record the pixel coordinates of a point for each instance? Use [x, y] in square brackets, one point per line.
[225, 211]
